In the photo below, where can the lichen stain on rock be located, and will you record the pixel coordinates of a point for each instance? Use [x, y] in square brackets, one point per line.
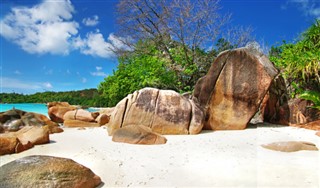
[144, 100]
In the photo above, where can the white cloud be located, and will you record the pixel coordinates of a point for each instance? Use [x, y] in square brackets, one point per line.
[43, 28]
[93, 21]
[96, 45]
[308, 7]
[83, 80]
[49, 28]
[12, 83]
[99, 72]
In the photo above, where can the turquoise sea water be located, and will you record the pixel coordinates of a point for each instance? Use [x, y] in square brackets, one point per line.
[29, 107]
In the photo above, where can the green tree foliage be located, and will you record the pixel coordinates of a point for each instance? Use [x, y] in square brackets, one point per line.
[312, 96]
[88, 97]
[300, 62]
[136, 71]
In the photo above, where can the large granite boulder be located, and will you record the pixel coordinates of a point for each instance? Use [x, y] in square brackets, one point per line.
[164, 111]
[47, 171]
[56, 110]
[138, 134]
[291, 146]
[234, 87]
[79, 114]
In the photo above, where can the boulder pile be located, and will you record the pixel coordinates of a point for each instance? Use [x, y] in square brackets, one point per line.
[224, 99]
[73, 116]
[21, 130]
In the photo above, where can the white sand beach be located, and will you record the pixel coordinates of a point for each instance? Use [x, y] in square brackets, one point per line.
[212, 159]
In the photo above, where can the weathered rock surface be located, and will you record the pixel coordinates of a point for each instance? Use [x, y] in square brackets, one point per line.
[138, 134]
[314, 125]
[164, 111]
[56, 113]
[56, 110]
[318, 133]
[14, 120]
[47, 171]
[58, 104]
[298, 111]
[26, 138]
[234, 87]
[107, 111]
[291, 146]
[78, 123]
[8, 144]
[35, 119]
[103, 119]
[34, 135]
[79, 114]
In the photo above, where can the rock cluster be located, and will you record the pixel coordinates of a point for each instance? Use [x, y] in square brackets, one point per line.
[22, 130]
[72, 116]
[47, 171]
[224, 99]
[14, 120]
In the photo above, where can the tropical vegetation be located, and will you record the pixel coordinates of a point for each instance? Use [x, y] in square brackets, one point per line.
[87, 97]
[300, 64]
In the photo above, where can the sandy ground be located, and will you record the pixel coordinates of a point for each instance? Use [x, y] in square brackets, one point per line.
[212, 159]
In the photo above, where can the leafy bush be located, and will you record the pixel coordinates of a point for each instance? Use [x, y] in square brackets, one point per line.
[312, 96]
[300, 62]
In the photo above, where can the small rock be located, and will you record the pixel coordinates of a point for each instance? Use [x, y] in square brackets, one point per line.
[291, 146]
[103, 119]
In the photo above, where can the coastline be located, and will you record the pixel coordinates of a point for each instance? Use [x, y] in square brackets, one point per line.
[215, 159]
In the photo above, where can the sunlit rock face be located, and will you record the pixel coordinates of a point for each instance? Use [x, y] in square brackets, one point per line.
[234, 87]
[164, 111]
[138, 134]
[47, 171]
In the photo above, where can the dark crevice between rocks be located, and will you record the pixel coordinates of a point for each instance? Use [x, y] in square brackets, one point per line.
[124, 112]
[155, 109]
[75, 114]
[225, 60]
[128, 108]
[190, 119]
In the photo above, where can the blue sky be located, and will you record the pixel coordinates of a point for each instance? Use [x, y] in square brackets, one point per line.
[62, 45]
